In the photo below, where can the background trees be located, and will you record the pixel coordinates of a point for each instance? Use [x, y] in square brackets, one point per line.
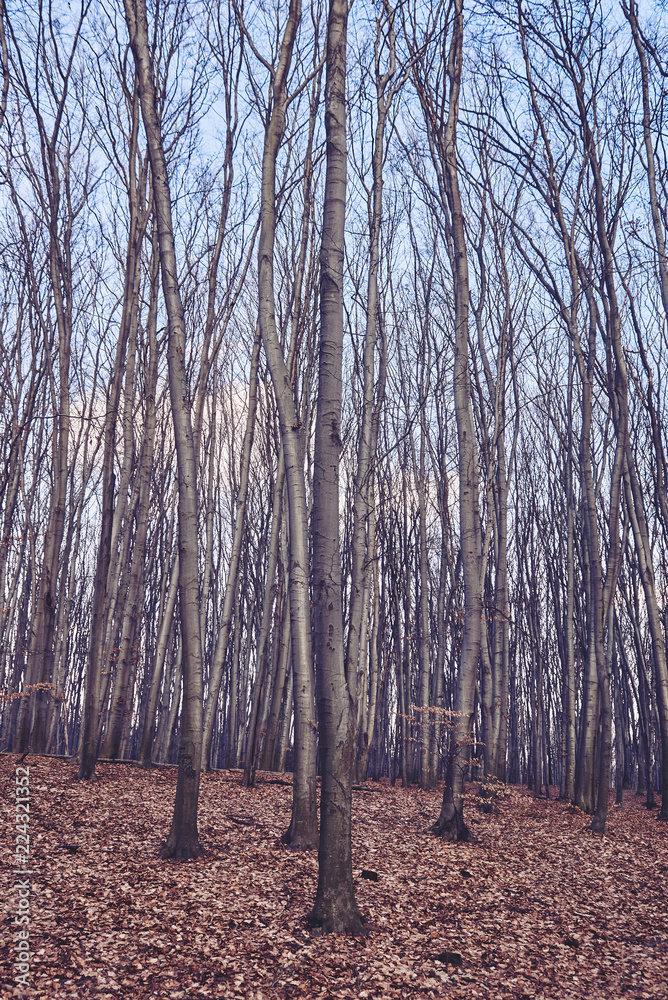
[523, 266]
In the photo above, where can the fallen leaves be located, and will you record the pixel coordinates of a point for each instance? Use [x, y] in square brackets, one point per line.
[537, 907]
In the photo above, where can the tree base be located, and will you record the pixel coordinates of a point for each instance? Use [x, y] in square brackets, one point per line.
[86, 770]
[454, 830]
[345, 921]
[183, 851]
[299, 839]
[598, 825]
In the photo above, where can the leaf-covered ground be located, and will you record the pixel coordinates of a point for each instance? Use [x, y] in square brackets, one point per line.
[537, 907]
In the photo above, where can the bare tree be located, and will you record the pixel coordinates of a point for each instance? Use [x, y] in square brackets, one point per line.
[61, 196]
[182, 842]
[335, 908]
[440, 104]
[302, 833]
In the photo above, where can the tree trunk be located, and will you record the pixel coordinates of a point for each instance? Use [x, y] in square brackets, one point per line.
[232, 585]
[302, 833]
[450, 824]
[146, 747]
[335, 908]
[262, 643]
[182, 842]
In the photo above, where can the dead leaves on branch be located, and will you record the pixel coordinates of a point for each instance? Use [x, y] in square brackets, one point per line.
[537, 907]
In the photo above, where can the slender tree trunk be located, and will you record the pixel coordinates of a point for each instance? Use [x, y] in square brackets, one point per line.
[182, 842]
[501, 627]
[569, 666]
[119, 715]
[635, 508]
[450, 824]
[232, 585]
[277, 697]
[303, 831]
[146, 747]
[425, 631]
[441, 638]
[262, 643]
[369, 728]
[285, 724]
[335, 908]
[631, 485]
[362, 490]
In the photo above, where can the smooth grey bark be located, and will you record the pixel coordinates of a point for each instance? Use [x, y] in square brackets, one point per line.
[182, 842]
[278, 692]
[118, 571]
[620, 751]
[496, 747]
[146, 746]
[501, 626]
[119, 715]
[283, 748]
[402, 721]
[450, 824]
[232, 751]
[170, 709]
[302, 833]
[617, 387]
[262, 643]
[640, 533]
[104, 583]
[137, 508]
[584, 778]
[424, 648]
[56, 199]
[569, 55]
[71, 559]
[569, 665]
[335, 908]
[635, 509]
[369, 724]
[410, 723]
[232, 584]
[373, 390]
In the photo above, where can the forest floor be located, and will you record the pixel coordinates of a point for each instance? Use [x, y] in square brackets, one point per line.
[537, 907]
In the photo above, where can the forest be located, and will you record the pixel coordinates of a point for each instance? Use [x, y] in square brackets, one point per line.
[335, 412]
